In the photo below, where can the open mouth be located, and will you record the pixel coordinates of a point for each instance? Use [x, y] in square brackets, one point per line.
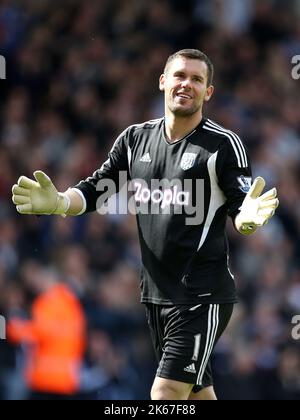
[183, 96]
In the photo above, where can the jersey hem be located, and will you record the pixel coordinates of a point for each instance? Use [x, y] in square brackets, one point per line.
[168, 302]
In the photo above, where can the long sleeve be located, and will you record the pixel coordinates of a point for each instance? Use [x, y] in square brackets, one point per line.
[118, 161]
[234, 174]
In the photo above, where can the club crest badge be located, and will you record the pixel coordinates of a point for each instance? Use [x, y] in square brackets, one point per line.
[188, 161]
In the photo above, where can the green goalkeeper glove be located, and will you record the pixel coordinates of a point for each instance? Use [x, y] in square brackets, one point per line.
[39, 197]
[256, 209]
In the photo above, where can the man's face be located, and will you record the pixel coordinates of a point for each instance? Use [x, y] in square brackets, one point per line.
[185, 86]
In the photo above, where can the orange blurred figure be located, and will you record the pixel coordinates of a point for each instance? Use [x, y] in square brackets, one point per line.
[56, 337]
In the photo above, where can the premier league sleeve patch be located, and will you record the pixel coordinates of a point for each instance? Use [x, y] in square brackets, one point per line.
[245, 183]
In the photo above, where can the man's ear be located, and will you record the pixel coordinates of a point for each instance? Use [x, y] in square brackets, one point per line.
[162, 83]
[209, 93]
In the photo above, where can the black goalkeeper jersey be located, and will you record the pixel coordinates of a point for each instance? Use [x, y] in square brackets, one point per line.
[208, 170]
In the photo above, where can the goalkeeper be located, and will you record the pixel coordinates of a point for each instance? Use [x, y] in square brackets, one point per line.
[187, 286]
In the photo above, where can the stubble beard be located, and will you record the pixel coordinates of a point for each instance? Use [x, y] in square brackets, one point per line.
[184, 112]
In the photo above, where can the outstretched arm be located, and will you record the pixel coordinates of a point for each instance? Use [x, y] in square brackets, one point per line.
[41, 196]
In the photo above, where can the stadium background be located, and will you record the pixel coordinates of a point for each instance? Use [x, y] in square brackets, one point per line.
[80, 72]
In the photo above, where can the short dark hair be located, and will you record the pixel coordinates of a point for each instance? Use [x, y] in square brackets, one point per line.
[194, 55]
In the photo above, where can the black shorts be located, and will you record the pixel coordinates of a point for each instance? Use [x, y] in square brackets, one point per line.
[183, 339]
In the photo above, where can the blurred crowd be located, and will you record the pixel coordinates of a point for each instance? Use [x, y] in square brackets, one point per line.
[80, 72]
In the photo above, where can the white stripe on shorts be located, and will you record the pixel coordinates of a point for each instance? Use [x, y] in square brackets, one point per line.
[212, 329]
